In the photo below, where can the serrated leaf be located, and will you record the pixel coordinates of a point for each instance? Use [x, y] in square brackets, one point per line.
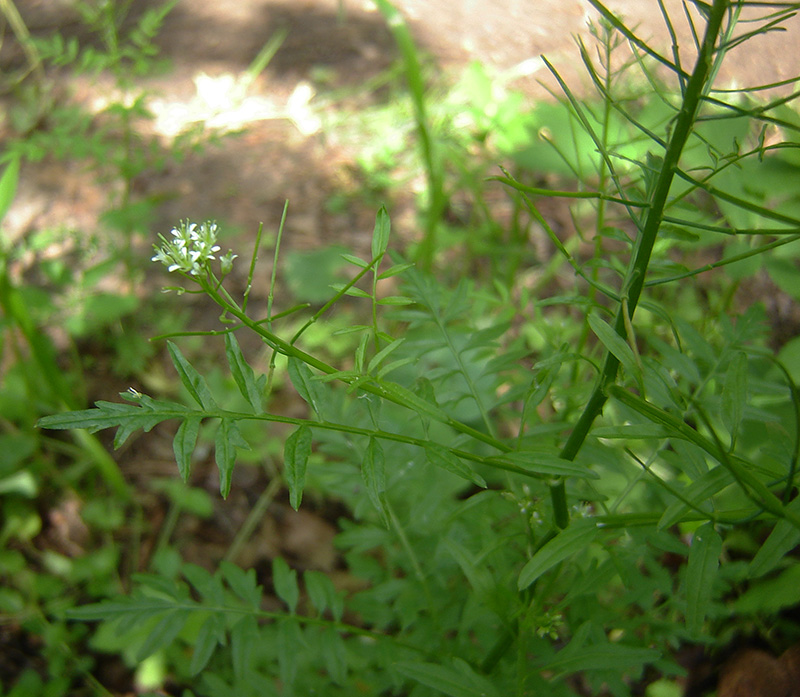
[164, 632]
[439, 457]
[373, 470]
[307, 387]
[210, 635]
[459, 680]
[242, 373]
[242, 583]
[380, 233]
[227, 440]
[379, 357]
[701, 572]
[616, 345]
[126, 417]
[295, 457]
[194, 383]
[284, 579]
[575, 538]
[244, 639]
[183, 444]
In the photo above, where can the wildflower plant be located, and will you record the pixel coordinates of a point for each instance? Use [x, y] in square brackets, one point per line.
[518, 482]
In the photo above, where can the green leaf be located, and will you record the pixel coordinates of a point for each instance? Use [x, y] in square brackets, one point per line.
[440, 457]
[782, 540]
[126, 417]
[458, 680]
[322, 593]
[379, 357]
[546, 464]
[772, 595]
[307, 387]
[395, 270]
[734, 393]
[698, 492]
[380, 233]
[183, 444]
[575, 538]
[242, 373]
[164, 632]
[617, 346]
[8, 186]
[227, 440]
[211, 635]
[244, 639]
[295, 458]
[334, 654]
[608, 656]
[290, 646]
[194, 383]
[284, 579]
[242, 583]
[373, 470]
[701, 572]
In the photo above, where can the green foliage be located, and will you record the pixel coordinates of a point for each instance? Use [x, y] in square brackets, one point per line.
[545, 495]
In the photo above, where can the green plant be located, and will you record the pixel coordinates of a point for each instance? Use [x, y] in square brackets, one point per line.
[546, 495]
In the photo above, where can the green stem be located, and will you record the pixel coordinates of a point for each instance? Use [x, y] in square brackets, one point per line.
[634, 282]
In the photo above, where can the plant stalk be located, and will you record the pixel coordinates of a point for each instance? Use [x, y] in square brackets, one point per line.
[640, 259]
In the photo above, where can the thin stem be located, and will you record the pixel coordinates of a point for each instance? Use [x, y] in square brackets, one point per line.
[635, 277]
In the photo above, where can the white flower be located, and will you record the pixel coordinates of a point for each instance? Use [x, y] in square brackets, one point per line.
[191, 250]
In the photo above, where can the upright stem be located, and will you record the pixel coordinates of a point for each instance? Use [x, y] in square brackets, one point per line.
[640, 259]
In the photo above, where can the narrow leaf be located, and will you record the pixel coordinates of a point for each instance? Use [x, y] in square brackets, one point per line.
[164, 632]
[734, 394]
[380, 234]
[373, 470]
[440, 457]
[183, 444]
[782, 540]
[295, 457]
[194, 383]
[303, 380]
[228, 438]
[379, 357]
[290, 646]
[701, 572]
[211, 634]
[284, 579]
[243, 583]
[242, 373]
[244, 640]
[8, 186]
[546, 464]
[575, 538]
[616, 345]
[455, 681]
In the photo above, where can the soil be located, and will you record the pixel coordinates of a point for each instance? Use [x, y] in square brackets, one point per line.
[331, 51]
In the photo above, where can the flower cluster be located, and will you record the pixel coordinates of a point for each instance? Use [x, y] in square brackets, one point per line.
[191, 250]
